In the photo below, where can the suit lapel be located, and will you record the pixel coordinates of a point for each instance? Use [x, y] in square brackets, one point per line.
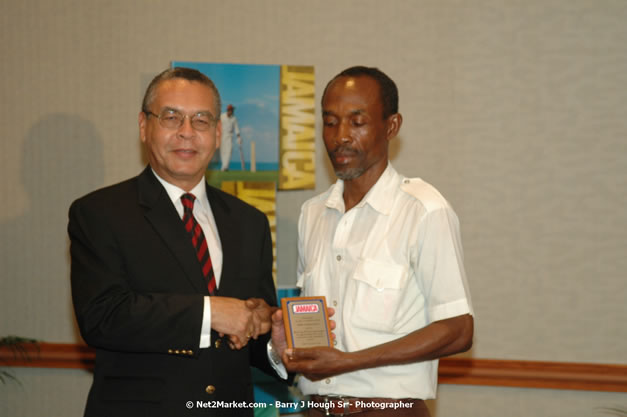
[162, 215]
[228, 231]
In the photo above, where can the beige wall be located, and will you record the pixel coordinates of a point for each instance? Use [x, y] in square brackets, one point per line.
[515, 110]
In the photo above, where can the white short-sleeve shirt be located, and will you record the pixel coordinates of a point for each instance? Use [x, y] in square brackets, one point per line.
[391, 265]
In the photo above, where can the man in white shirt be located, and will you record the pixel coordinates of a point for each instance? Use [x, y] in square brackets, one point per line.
[229, 127]
[386, 253]
[172, 278]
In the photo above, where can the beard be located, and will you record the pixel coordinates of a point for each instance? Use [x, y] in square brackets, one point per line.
[349, 173]
[346, 173]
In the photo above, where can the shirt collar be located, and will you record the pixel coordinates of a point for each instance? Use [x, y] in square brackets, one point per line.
[175, 193]
[380, 197]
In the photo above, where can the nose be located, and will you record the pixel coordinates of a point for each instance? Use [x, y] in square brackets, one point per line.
[185, 129]
[343, 134]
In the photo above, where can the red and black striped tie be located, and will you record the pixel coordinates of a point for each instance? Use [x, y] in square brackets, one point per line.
[198, 240]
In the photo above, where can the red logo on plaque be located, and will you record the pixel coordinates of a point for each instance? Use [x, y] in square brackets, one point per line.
[305, 308]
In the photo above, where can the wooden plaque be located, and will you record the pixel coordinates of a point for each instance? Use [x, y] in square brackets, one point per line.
[306, 322]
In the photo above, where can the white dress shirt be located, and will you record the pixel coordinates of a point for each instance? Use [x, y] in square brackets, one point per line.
[391, 265]
[204, 217]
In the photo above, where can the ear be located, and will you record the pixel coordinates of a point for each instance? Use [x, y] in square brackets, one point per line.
[394, 123]
[142, 126]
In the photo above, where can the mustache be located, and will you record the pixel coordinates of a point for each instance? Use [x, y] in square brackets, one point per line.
[344, 150]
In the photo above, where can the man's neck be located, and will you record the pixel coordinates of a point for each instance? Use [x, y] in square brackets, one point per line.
[185, 185]
[356, 189]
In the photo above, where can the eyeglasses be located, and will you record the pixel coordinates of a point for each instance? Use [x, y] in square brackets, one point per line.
[173, 119]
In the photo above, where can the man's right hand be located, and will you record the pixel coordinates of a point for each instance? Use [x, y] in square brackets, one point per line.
[262, 314]
[231, 316]
[279, 341]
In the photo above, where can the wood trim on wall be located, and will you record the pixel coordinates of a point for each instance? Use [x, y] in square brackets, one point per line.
[462, 371]
[49, 355]
[534, 374]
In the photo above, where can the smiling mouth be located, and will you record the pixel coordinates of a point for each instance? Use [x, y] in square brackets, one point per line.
[185, 152]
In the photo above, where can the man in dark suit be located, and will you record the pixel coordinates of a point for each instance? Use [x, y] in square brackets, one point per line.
[175, 329]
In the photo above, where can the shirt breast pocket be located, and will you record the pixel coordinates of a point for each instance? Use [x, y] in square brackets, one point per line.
[376, 291]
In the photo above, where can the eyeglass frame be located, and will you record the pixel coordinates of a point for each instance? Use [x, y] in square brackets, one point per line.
[213, 119]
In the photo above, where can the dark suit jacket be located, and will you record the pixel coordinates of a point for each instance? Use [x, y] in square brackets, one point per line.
[138, 294]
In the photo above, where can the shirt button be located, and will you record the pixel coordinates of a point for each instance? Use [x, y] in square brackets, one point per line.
[328, 381]
[338, 257]
[218, 343]
[334, 342]
[334, 303]
[210, 389]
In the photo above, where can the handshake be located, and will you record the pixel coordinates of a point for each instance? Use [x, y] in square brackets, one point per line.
[241, 320]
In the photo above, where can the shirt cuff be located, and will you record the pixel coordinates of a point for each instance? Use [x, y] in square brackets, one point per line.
[276, 362]
[205, 329]
[449, 310]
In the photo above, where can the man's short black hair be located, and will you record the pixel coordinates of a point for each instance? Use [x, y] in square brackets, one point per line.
[188, 74]
[387, 87]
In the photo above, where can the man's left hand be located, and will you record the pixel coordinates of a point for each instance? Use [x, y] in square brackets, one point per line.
[317, 363]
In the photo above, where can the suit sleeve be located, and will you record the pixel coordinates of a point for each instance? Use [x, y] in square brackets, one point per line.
[110, 313]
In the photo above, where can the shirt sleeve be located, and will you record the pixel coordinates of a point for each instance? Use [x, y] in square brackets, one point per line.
[440, 266]
[275, 362]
